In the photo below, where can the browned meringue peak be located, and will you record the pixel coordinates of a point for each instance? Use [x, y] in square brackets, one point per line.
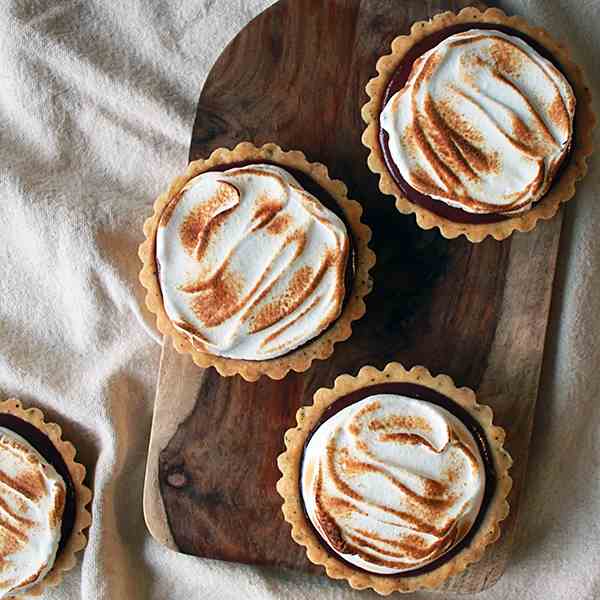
[251, 265]
[32, 501]
[392, 483]
[482, 124]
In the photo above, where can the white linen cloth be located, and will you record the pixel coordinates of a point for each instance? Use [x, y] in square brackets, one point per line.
[97, 101]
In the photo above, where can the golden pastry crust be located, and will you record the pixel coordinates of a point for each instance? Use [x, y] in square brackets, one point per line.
[65, 559]
[320, 347]
[290, 466]
[560, 191]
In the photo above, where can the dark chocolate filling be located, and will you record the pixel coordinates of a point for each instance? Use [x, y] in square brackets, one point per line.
[397, 82]
[420, 392]
[327, 200]
[46, 448]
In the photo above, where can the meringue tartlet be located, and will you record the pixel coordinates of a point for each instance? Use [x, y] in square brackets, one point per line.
[478, 123]
[256, 262]
[43, 501]
[394, 480]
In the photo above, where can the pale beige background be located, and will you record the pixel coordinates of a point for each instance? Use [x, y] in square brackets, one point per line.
[97, 100]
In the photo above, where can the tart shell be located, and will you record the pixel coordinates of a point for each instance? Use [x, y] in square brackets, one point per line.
[320, 347]
[290, 466]
[561, 190]
[66, 559]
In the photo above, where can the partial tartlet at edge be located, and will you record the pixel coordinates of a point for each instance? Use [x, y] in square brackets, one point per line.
[319, 347]
[66, 557]
[310, 418]
[561, 189]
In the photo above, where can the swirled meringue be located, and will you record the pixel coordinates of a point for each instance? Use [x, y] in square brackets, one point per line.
[32, 501]
[251, 265]
[482, 124]
[392, 483]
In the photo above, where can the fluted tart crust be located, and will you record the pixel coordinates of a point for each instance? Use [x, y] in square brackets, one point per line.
[346, 300]
[357, 543]
[543, 194]
[66, 556]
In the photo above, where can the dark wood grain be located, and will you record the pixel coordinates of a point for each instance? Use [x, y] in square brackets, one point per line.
[477, 312]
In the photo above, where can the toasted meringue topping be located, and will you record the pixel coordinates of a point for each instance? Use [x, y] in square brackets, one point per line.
[482, 124]
[392, 483]
[32, 501]
[251, 265]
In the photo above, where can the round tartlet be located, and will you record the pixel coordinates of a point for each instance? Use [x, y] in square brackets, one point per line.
[431, 212]
[355, 284]
[433, 395]
[26, 433]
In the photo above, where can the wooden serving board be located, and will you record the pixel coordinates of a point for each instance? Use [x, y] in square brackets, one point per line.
[477, 312]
